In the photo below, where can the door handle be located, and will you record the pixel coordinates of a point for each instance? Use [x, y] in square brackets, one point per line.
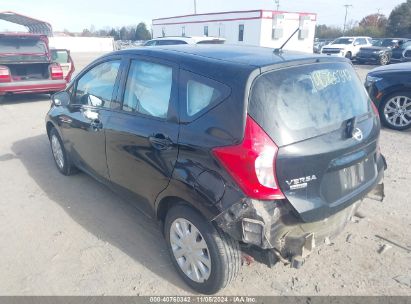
[160, 141]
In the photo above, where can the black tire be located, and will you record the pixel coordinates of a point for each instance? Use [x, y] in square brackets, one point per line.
[67, 167]
[348, 55]
[2, 97]
[224, 252]
[384, 119]
[384, 59]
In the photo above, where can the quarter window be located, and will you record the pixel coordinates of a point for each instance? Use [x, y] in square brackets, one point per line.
[95, 88]
[201, 94]
[148, 89]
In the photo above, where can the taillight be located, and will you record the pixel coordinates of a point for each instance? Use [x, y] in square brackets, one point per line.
[375, 109]
[56, 71]
[252, 163]
[5, 75]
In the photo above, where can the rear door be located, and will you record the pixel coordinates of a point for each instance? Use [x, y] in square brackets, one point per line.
[62, 57]
[142, 133]
[320, 117]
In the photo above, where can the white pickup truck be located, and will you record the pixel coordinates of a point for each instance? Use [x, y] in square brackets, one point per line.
[347, 47]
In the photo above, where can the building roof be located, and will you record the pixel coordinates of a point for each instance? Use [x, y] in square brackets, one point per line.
[34, 26]
[225, 16]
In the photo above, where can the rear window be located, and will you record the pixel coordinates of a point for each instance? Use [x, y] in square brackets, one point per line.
[22, 45]
[215, 41]
[297, 103]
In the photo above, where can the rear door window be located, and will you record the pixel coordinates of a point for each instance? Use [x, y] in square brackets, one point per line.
[60, 56]
[148, 89]
[298, 103]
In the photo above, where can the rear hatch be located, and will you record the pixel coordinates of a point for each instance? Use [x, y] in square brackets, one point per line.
[322, 121]
[25, 56]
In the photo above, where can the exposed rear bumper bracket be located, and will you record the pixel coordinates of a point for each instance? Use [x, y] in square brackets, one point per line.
[377, 193]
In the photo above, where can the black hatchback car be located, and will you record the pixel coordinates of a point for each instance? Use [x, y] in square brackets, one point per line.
[232, 149]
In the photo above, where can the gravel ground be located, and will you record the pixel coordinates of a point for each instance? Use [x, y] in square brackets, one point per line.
[72, 236]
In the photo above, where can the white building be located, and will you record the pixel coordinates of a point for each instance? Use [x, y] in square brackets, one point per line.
[256, 27]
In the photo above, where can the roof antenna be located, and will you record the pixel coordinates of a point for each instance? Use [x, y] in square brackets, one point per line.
[280, 49]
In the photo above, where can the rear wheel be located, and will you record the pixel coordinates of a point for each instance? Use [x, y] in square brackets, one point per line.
[205, 257]
[61, 158]
[395, 111]
[384, 59]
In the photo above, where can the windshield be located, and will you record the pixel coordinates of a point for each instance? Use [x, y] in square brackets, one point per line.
[297, 103]
[376, 42]
[22, 45]
[389, 42]
[405, 45]
[343, 41]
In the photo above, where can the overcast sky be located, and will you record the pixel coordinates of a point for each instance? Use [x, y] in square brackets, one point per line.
[75, 15]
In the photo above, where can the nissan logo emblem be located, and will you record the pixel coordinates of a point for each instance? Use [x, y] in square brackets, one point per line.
[357, 134]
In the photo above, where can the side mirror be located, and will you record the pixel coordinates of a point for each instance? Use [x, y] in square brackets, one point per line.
[356, 43]
[61, 99]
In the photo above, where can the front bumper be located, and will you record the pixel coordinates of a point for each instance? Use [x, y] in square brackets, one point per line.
[274, 230]
[368, 57]
[38, 86]
[340, 54]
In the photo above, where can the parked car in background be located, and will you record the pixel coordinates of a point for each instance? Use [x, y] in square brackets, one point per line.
[319, 44]
[347, 47]
[26, 65]
[381, 51]
[184, 40]
[63, 58]
[401, 54]
[390, 89]
[230, 148]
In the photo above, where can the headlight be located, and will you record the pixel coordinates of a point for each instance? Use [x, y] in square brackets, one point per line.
[372, 79]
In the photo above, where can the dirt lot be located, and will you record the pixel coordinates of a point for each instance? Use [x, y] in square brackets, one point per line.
[72, 236]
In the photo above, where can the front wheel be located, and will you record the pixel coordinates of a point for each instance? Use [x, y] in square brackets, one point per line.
[205, 257]
[384, 59]
[348, 55]
[395, 111]
[60, 155]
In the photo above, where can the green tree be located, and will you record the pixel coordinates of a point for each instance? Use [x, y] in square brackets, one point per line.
[114, 33]
[399, 21]
[323, 31]
[141, 32]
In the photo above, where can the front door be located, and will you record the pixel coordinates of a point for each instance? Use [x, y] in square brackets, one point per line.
[141, 136]
[89, 112]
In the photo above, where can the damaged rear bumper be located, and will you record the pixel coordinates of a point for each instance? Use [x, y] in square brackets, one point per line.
[271, 231]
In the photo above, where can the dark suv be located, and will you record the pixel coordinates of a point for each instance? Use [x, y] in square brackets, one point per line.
[232, 149]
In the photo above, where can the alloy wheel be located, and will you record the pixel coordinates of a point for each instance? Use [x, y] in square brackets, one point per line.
[384, 59]
[397, 111]
[57, 151]
[190, 250]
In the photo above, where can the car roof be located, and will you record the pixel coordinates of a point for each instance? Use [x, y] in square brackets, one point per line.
[21, 34]
[405, 66]
[188, 39]
[242, 55]
[354, 37]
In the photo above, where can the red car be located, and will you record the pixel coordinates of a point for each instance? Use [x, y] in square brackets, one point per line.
[27, 65]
